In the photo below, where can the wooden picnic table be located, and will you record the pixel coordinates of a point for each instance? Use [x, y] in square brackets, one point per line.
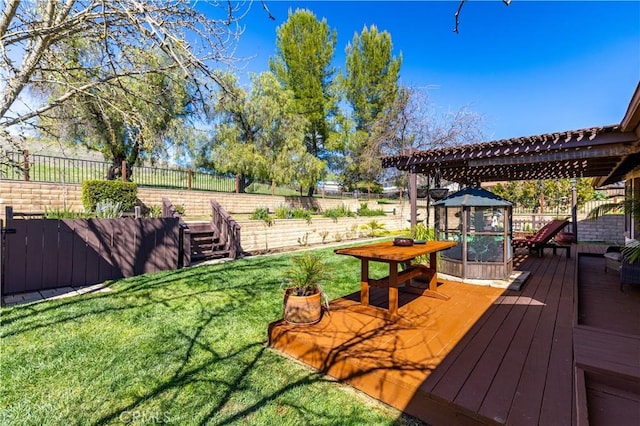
[394, 255]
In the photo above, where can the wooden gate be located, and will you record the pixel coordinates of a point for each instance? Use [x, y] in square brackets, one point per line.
[52, 253]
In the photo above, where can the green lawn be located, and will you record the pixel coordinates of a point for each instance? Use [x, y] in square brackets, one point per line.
[179, 347]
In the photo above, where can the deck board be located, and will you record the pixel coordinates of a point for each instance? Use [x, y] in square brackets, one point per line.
[528, 397]
[503, 388]
[485, 356]
[558, 394]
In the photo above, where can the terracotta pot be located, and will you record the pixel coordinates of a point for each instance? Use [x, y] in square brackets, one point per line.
[302, 310]
[564, 238]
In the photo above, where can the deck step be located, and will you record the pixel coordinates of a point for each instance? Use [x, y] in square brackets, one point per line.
[210, 254]
[205, 243]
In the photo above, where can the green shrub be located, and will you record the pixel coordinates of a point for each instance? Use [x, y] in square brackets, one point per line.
[372, 228]
[94, 191]
[424, 233]
[427, 234]
[364, 210]
[152, 211]
[300, 213]
[262, 213]
[108, 209]
[341, 211]
[283, 211]
[63, 213]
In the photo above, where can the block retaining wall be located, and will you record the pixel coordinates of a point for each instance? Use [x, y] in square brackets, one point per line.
[37, 196]
[256, 235]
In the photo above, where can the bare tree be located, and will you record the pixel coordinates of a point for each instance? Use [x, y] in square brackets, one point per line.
[196, 37]
[415, 122]
[457, 14]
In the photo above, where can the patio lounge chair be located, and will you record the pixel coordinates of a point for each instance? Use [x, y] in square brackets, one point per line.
[629, 273]
[542, 238]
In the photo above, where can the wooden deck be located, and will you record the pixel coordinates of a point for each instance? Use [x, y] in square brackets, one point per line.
[606, 340]
[489, 356]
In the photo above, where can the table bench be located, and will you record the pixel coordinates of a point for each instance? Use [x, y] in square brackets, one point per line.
[395, 256]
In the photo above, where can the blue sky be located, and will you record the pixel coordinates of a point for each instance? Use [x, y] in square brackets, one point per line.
[530, 68]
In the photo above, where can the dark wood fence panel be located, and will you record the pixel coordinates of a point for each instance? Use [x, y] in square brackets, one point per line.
[50, 263]
[64, 258]
[14, 262]
[49, 253]
[78, 252]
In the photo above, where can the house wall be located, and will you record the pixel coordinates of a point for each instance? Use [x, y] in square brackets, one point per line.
[608, 228]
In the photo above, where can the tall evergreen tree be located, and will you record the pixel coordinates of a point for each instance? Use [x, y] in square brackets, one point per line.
[372, 74]
[305, 48]
[371, 88]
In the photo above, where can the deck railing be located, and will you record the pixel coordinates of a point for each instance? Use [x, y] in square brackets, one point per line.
[184, 234]
[228, 228]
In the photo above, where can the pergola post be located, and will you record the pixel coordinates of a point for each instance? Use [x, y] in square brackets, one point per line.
[413, 199]
[574, 209]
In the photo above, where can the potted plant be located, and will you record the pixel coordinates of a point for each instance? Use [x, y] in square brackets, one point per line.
[422, 191]
[438, 193]
[304, 297]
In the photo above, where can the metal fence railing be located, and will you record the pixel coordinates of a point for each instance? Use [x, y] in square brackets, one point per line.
[43, 168]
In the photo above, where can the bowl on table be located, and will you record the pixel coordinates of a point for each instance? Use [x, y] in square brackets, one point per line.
[402, 241]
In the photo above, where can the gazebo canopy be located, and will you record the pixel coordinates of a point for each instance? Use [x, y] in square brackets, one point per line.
[473, 196]
[607, 152]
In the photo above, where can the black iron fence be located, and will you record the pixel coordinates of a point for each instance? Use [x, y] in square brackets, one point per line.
[43, 168]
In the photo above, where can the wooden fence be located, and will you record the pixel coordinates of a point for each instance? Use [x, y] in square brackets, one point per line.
[49, 253]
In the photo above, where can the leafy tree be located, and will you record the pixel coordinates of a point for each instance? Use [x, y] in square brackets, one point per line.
[532, 193]
[133, 118]
[302, 63]
[259, 135]
[371, 88]
[34, 33]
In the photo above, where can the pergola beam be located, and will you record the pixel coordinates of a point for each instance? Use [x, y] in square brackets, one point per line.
[580, 153]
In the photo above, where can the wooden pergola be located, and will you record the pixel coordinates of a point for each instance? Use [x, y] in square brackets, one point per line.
[595, 152]
[607, 153]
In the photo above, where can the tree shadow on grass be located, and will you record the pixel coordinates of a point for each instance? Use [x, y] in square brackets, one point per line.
[137, 292]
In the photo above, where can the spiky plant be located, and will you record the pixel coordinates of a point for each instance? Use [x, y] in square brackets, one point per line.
[631, 251]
